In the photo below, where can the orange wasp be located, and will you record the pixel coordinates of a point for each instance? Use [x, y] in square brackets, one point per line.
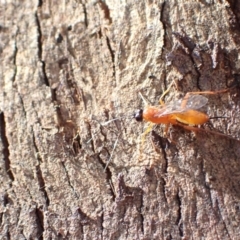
[183, 112]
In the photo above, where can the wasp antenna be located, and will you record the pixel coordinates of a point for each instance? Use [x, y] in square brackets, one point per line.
[126, 116]
[107, 122]
[144, 100]
[217, 117]
[110, 158]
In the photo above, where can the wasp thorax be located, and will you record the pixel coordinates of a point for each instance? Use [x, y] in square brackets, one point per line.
[138, 115]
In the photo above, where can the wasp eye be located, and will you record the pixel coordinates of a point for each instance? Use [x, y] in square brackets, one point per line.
[138, 115]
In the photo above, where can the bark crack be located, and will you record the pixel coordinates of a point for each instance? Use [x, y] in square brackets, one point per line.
[23, 234]
[141, 214]
[163, 144]
[223, 222]
[5, 150]
[40, 3]
[22, 104]
[105, 167]
[40, 222]
[179, 217]
[108, 177]
[59, 117]
[234, 19]
[68, 180]
[85, 15]
[91, 136]
[39, 174]
[164, 189]
[18, 219]
[39, 41]
[112, 56]
[187, 42]
[102, 221]
[8, 236]
[15, 52]
[5, 199]
[106, 10]
[163, 23]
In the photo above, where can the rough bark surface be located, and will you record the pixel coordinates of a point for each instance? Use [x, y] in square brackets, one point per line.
[67, 69]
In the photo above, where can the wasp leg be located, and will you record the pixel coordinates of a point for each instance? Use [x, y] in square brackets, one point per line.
[149, 128]
[196, 129]
[165, 93]
[185, 99]
[166, 130]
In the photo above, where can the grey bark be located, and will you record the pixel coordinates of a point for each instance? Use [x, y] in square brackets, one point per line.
[67, 69]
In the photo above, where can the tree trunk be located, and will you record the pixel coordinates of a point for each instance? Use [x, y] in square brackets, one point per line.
[67, 70]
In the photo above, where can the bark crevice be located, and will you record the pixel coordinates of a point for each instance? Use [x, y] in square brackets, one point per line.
[5, 150]
[39, 174]
[40, 50]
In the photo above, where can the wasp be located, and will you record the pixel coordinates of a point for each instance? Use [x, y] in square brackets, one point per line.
[184, 112]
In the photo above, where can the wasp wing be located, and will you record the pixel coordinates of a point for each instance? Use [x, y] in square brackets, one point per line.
[194, 101]
[188, 102]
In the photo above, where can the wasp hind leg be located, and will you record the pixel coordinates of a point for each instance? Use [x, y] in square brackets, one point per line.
[185, 99]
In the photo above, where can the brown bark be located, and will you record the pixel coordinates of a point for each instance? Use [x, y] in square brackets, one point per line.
[69, 67]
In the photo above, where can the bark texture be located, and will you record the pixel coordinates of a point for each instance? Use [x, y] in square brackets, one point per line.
[67, 69]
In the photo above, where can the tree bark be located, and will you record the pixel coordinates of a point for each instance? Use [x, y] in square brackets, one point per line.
[67, 69]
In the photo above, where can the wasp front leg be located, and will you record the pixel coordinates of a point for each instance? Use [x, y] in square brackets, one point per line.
[165, 93]
[149, 129]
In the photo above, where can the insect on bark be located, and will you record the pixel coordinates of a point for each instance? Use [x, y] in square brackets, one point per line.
[183, 112]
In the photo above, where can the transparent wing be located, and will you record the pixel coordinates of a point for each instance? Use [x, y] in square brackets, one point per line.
[186, 103]
[195, 101]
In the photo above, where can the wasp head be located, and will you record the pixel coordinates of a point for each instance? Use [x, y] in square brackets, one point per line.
[138, 115]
